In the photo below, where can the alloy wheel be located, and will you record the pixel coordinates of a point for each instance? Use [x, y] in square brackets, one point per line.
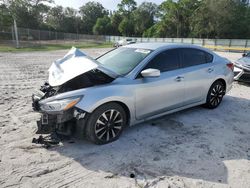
[217, 94]
[108, 125]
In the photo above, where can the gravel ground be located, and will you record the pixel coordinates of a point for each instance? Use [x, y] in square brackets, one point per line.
[192, 148]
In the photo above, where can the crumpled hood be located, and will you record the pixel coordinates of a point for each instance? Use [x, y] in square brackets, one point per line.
[73, 64]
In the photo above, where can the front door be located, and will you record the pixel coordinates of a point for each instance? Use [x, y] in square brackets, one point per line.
[163, 93]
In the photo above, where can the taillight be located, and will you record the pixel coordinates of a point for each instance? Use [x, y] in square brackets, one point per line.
[231, 66]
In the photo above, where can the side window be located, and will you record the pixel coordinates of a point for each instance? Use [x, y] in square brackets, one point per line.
[191, 57]
[165, 61]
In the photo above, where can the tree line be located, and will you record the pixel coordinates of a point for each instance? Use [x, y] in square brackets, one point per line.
[182, 18]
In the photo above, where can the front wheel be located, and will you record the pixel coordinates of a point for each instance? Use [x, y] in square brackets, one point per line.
[106, 123]
[215, 95]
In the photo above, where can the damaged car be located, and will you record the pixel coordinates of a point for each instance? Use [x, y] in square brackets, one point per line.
[98, 98]
[242, 68]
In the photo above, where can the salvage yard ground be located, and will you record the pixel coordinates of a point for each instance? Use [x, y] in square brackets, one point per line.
[192, 148]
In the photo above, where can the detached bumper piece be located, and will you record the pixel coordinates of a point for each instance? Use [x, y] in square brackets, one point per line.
[47, 141]
[241, 73]
[59, 127]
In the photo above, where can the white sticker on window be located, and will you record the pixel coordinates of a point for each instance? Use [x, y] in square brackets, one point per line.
[142, 51]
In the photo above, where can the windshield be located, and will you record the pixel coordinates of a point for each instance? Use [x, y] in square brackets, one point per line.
[123, 60]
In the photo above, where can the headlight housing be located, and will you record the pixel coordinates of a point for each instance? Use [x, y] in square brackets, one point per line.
[60, 105]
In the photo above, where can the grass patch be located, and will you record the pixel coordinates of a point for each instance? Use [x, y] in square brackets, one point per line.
[50, 47]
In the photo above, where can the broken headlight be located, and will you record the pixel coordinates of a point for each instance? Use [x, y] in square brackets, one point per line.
[60, 105]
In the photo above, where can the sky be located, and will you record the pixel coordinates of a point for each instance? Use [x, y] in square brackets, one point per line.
[108, 4]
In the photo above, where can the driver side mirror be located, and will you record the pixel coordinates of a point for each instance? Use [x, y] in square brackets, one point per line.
[244, 55]
[149, 73]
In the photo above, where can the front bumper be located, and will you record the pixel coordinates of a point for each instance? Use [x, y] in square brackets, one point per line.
[241, 73]
[63, 122]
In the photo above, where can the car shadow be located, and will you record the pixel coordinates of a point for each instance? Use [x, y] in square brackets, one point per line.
[194, 143]
[244, 83]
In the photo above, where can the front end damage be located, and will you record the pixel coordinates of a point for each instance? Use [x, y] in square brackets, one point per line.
[242, 70]
[241, 73]
[58, 114]
[62, 122]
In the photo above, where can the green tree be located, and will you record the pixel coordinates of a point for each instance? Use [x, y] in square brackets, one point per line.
[126, 6]
[157, 30]
[27, 13]
[90, 12]
[144, 17]
[116, 19]
[39, 11]
[103, 26]
[19, 11]
[5, 16]
[55, 18]
[175, 16]
[63, 19]
[221, 19]
[126, 9]
[71, 20]
[126, 27]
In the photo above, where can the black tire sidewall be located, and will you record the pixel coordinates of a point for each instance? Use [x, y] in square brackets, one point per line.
[90, 127]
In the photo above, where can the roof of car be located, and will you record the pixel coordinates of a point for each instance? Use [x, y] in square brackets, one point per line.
[156, 45]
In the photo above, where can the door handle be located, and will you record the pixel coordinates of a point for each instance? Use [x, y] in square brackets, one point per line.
[210, 70]
[179, 78]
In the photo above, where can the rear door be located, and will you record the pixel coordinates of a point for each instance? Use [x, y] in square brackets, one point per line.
[198, 72]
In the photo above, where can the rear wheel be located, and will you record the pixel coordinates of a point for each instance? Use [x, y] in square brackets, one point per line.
[215, 95]
[106, 123]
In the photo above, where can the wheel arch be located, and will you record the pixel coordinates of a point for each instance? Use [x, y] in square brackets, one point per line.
[215, 80]
[221, 80]
[208, 103]
[127, 111]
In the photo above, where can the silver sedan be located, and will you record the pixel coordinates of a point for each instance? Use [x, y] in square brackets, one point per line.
[99, 97]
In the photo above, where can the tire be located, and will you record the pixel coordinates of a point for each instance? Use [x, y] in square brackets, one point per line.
[215, 95]
[106, 123]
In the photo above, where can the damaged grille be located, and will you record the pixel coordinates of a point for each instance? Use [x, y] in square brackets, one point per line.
[245, 77]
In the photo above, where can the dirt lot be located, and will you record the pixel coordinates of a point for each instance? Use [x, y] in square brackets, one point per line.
[192, 148]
